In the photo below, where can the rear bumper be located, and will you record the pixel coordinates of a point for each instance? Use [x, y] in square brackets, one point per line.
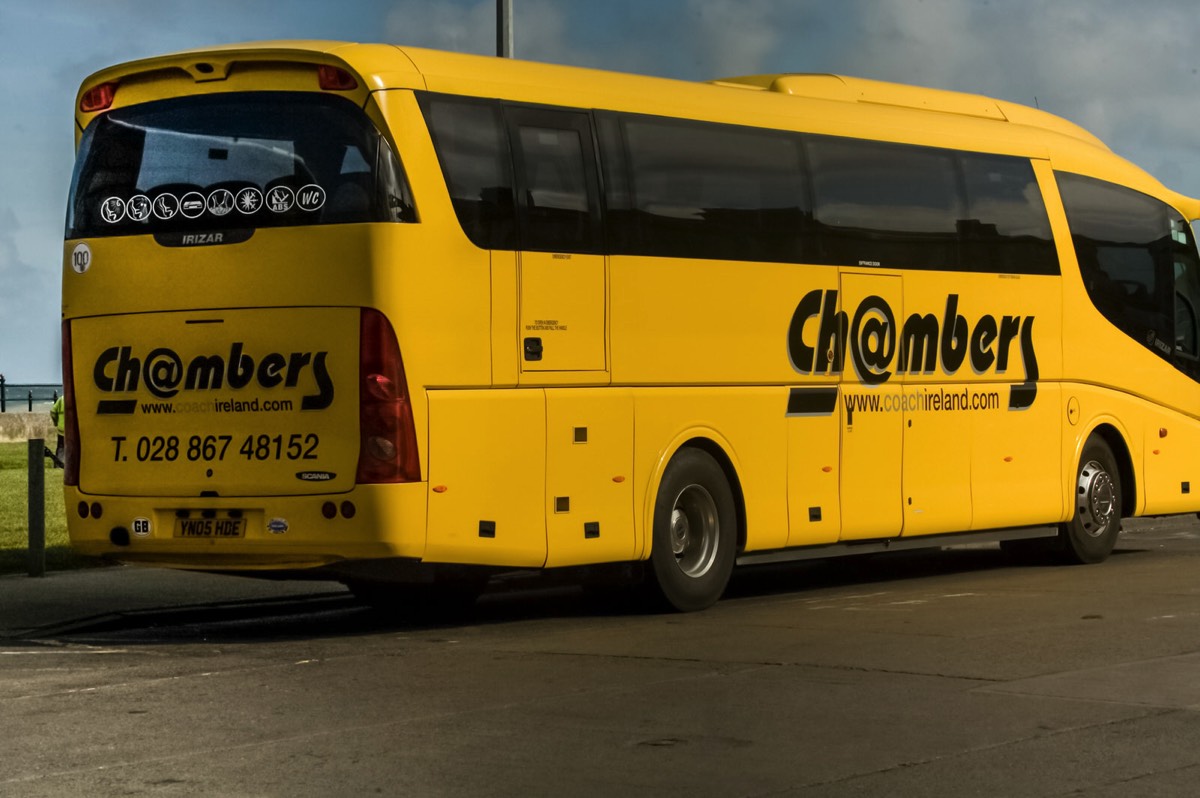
[264, 533]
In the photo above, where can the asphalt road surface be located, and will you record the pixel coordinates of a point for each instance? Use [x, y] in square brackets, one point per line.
[949, 673]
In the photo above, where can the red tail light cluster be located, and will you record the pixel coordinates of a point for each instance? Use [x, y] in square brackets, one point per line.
[98, 98]
[388, 442]
[331, 78]
[71, 417]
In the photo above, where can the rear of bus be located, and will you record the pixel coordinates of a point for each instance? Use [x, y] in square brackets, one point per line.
[236, 392]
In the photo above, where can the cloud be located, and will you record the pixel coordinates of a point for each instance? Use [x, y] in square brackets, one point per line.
[460, 27]
[1121, 70]
[734, 37]
[540, 28]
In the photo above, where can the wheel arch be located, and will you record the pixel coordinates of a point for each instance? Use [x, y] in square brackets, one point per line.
[1120, 450]
[735, 484]
[719, 452]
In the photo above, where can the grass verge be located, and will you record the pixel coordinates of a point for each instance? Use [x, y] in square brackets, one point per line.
[14, 515]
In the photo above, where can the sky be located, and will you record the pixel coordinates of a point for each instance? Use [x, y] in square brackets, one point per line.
[1127, 71]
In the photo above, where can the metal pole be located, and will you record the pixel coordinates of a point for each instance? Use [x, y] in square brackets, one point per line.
[37, 507]
[504, 29]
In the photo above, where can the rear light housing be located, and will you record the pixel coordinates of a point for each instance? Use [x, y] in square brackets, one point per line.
[71, 417]
[331, 78]
[387, 435]
[98, 98]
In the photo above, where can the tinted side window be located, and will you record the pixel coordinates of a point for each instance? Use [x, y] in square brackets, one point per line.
[681, 188]
[890, 205]
[1185, 262]
[1123, 241]
[700, 190]
[1006, 228]
[473, 150]
[1187, 304]
[555, 158]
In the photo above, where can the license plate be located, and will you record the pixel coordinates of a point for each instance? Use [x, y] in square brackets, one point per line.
[210, 527]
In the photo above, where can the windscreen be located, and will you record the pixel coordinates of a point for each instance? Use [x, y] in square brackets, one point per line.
[235, 161]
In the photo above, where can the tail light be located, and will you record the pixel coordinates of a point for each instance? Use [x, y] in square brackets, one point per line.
[388, 440]
[98, 98]
[71, 417]
[331, 78]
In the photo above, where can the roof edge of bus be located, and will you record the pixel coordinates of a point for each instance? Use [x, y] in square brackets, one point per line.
[225, 54]
[843, 88]
[422, 64]
[155, 61]
[1187, 205]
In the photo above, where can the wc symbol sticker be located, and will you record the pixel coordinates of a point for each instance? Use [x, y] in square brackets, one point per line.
[310, 198]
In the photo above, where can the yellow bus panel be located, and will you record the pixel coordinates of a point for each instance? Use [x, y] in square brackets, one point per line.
[589, 476]
[487, 478]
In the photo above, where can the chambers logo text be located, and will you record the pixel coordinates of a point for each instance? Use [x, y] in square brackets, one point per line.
[164, 373]
[878, 347]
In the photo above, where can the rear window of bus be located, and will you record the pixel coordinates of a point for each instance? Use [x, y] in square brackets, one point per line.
[234, 161]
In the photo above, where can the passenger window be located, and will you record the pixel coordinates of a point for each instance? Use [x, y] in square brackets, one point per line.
[555, 158]
[1006, 228]
[473, 149]
[700, 190]
[890, 205]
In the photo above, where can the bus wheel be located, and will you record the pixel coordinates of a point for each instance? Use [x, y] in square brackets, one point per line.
[1089, 537]
[695, 532]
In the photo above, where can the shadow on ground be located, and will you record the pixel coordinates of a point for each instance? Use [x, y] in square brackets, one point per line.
[58, 558]
[331, 613]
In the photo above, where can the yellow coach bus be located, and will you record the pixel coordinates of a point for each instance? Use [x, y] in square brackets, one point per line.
[391, 315]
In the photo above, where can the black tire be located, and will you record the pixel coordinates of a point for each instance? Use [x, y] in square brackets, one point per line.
[1091, 534]
[695, 532]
